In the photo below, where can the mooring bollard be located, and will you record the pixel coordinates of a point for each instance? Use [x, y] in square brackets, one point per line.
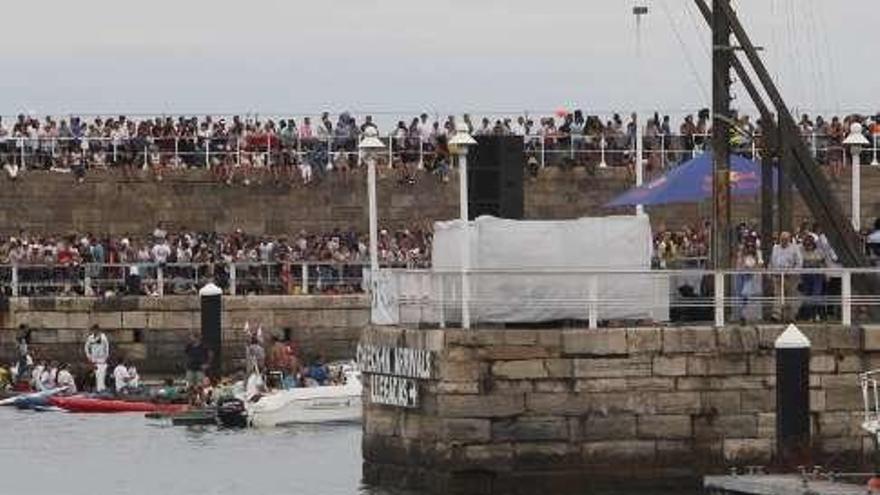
[793, 398]
[211, 301]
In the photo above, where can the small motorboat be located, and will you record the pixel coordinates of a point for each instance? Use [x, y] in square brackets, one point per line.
[85, 404]
[206, 416]
[324, 404]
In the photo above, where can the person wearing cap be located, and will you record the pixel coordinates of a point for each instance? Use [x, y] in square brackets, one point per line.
[97, 348]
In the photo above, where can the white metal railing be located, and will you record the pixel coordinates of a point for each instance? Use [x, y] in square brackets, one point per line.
[92, 279]
[871, 401]
[697, 295]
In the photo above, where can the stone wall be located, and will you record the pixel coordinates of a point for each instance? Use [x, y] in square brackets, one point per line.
[560, 410]
[153, 331]
[108, 202]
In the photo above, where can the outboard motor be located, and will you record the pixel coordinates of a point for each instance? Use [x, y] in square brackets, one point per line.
[231, 413]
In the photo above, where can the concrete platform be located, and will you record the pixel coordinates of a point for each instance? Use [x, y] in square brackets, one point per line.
[776, 485]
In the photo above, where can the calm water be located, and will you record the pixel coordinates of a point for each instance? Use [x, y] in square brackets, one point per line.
[57, 453]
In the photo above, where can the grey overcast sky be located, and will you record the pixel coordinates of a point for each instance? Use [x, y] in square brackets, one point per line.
[404, 56]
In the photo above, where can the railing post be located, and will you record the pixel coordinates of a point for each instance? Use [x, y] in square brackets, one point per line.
[719, 299]
[663, 151]
[846, 298]
[422, 153]
[146, 156]
[571, 146]
[268, 151]
[160, 280]
[87, 281]
[237, 151]
[441, 313]
[15, 288]
[602, 145]
[115, 152]
[176, 151]
[329, 153]
[390, 151]
[813, 148]
[543, 151]
[874, 161]
[232, 279]
[594, 302]
[21, 147]
[305, 278]
[208, 153]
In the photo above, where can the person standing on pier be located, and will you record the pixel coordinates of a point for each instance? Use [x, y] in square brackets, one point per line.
[97, 351]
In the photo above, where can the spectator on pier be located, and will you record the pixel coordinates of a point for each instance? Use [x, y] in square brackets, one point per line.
[97, 348]
[786, 255]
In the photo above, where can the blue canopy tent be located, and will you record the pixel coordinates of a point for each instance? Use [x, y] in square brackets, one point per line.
[691, 182]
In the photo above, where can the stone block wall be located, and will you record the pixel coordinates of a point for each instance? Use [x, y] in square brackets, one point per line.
[153, 331]
[568, 408]
[108, 202]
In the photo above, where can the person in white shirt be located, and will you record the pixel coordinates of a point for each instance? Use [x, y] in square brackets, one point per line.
[37, 375]
[121, 378]
[134, 379]
[65, 379]
[786, 255]
[48, 377]
[97, 349]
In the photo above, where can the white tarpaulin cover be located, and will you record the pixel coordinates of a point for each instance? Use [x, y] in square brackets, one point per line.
[558, 249]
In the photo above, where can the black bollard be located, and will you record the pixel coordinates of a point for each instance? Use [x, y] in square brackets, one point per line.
[211, 298]
[793, 398]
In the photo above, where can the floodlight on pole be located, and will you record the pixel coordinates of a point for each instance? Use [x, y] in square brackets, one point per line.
[370, 146]
[460, 143]
[855, 141]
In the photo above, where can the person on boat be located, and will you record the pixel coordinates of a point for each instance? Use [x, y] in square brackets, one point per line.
[279, 363]
[65, 379]
[48, 377]
[97, 349]
[169, 392]
[121, 378]
[22, 343]
[37, 375]
[317, 373]
[255, 387]
[134, 379]
[255, 355]
[198, 358]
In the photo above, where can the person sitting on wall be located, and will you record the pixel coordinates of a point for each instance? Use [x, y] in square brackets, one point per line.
[65, 379]
[121, 378]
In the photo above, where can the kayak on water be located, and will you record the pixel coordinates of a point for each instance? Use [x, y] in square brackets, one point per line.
[27, 401]
[95, 405]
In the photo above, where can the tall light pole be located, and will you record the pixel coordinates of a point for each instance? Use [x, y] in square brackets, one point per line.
[460, 143]
[370, 146]
[639, 11]
[855, 141]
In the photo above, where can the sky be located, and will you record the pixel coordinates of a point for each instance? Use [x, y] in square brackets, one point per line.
[391, 57]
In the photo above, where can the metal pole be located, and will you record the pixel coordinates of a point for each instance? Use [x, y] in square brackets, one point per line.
[232, 276]
[856, 188]
[640, 164]
[374, 223]
[543, 152]
[602, 144]
[593, 314]
[719, 299]
[160, 280]
[465, 239]
[305, 278]
[846, 298]
[421, 154]
[874, 161]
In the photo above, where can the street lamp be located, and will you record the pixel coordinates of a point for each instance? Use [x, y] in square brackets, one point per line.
[855, 141]
[370, 146]
[460, 143]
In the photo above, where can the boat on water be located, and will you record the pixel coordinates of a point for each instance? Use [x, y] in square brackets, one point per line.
[86, 404]
[338, 403]
[32, 400]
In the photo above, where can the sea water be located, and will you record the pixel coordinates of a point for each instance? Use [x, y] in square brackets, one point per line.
[53, 453]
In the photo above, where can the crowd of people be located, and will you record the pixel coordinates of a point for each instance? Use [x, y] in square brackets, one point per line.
[270, 363]
[803, 296]
[247, 149]
[93, 264]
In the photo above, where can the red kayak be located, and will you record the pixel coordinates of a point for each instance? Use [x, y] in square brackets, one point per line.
[96, 405]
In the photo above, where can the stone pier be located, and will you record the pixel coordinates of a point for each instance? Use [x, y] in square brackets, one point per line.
[559, 410]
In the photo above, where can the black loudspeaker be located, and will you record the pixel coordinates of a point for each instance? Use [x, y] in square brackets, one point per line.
[495, 177]
[211, 301]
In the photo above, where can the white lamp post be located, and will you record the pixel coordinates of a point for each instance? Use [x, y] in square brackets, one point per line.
[640, 164]
[370, 146]
[855, 141]
[461, 141]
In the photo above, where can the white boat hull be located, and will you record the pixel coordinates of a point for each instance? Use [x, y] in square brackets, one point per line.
[329, 404]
